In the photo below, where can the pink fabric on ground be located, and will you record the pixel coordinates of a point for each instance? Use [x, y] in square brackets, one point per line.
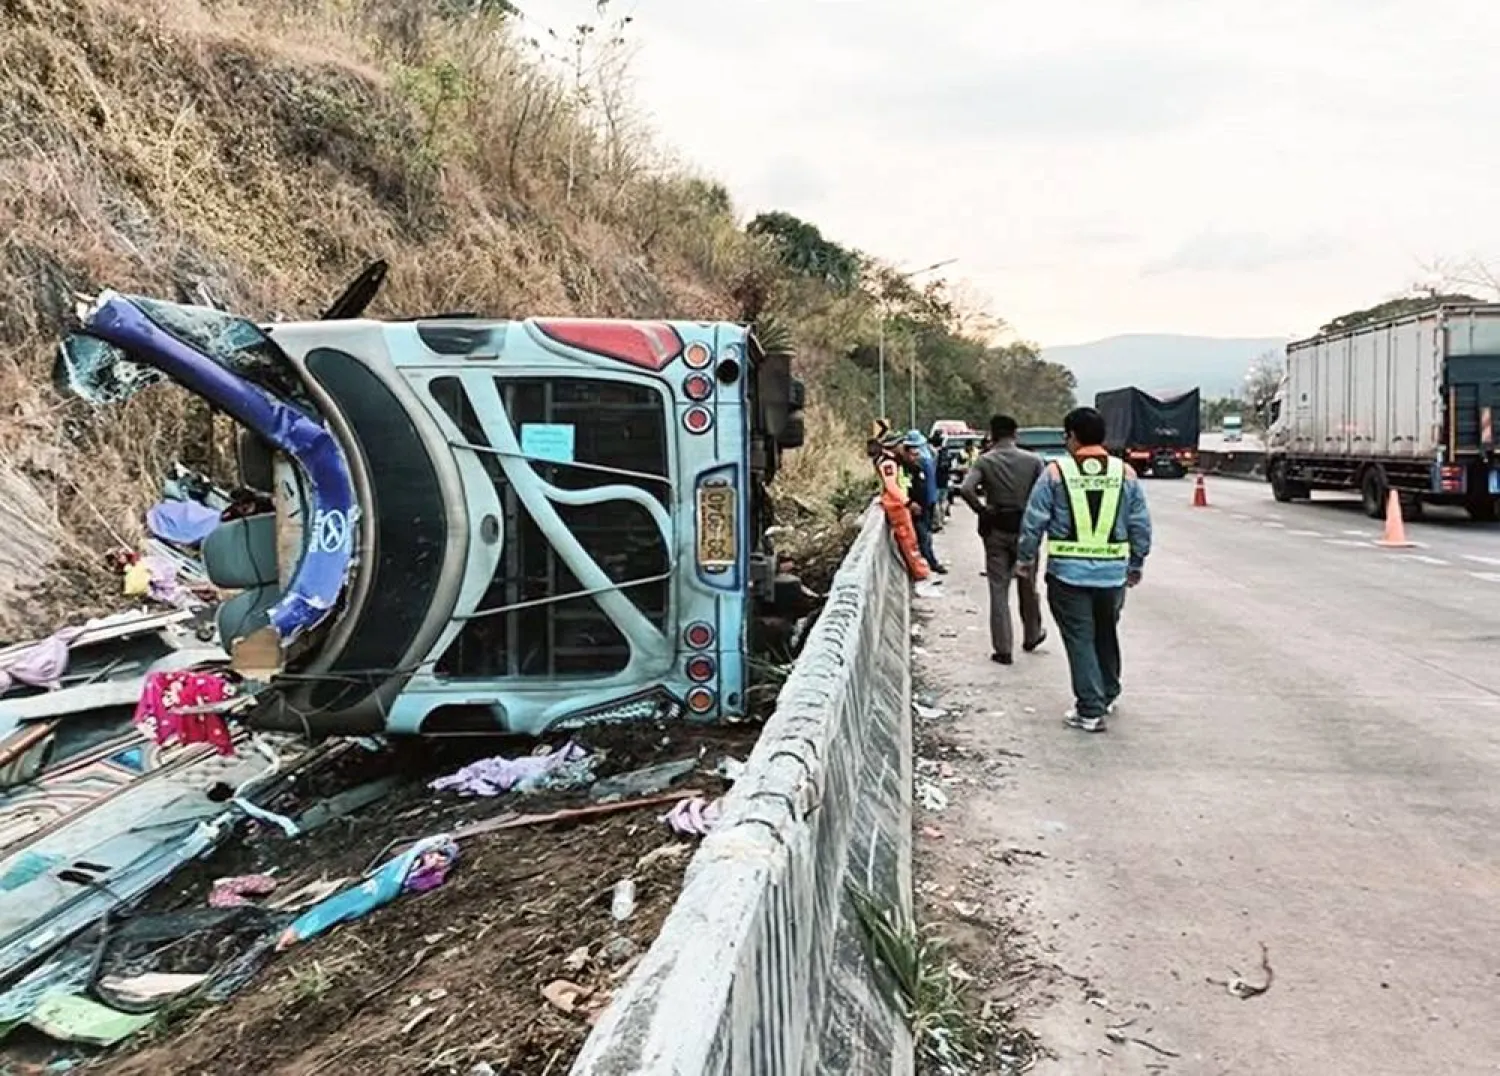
[165, 694]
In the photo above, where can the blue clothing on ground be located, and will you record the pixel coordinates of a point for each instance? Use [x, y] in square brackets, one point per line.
[1049, 513]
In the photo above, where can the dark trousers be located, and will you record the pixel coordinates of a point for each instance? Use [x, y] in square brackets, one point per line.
[1000, 552]
[1088, 619]
[923, 524]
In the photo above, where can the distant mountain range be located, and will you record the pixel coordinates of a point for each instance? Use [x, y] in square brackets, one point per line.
[1159, 362]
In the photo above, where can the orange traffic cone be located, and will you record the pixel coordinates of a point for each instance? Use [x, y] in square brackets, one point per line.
[1395, 526]
[1200, 494]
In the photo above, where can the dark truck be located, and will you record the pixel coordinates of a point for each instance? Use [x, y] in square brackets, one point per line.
[1157, 435]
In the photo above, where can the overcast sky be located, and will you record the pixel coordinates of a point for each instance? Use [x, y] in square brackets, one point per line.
[1100, 166]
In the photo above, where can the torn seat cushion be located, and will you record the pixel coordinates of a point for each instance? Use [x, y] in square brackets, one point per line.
[245, 613]
[242, 553]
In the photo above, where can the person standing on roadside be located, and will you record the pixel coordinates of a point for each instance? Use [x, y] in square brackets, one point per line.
[1004, 476]
[943, 464]
[922, 468]
[1090, 508]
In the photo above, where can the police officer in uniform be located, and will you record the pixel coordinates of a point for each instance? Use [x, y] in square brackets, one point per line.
[1090, 508]
[1005, 475]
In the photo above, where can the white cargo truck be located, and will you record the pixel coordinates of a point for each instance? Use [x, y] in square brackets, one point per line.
[1407, 403]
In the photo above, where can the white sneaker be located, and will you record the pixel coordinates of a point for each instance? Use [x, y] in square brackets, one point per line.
[1083, 724]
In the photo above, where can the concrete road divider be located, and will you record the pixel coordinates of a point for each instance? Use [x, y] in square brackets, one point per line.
[760, 968]
[1239, 463]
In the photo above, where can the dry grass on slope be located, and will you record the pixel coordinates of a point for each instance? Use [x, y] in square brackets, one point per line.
[266, 152]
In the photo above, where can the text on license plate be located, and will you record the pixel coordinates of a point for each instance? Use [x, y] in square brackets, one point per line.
[716, 539]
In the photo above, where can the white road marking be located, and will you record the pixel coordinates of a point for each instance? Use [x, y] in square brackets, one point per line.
[1421, 558]
[1356, 534]
[1493, 561]
[1348, 542]
[1308, 534]
[1488, 577]
[1242, 517]
[1273, 523]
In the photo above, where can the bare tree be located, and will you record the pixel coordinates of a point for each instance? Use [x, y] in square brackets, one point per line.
[1471, 274]
[1262, 381]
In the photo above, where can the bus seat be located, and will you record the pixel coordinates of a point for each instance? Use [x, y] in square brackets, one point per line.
[244, 613]
[242, 553]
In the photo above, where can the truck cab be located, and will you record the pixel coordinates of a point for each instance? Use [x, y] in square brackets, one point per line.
[1233, 428]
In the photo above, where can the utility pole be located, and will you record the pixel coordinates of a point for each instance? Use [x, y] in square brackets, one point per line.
[912, 369]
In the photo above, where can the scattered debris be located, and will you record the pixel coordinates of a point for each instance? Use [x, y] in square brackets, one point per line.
[568, 767]
[622, 902]
[1245, 990]
[71, 1018]
[928, 713]
[931, 796]
[1120, 1038]
[234, 892]
[692, 817]
[642, 782]
[731, 769]
[421, 867]
[564, 995]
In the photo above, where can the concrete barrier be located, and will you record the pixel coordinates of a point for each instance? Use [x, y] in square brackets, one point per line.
[760, 968]
[1249, 463]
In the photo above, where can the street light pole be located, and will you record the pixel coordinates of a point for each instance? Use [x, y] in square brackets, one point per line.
[911, 368]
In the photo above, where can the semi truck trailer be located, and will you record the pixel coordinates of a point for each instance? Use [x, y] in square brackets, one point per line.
[1155, 434]
[1405, 404]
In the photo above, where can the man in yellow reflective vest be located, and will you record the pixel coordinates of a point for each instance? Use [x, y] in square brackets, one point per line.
[1090, 508]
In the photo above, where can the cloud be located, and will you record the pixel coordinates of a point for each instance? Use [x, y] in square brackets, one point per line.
[1241, 252]
[1097, 168]
[792, 181]
[1056, 95]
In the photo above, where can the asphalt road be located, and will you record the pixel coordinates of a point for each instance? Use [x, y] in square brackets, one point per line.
[1307, 755]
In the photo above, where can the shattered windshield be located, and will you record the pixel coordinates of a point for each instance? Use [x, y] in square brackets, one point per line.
[99, 372]
[233, 342]
[103, 373]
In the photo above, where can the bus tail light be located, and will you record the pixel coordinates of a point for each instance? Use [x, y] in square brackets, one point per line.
[697, 387]
[700, 669]
[700, 700]
[697, 355]
[699, 635]
[698, 420]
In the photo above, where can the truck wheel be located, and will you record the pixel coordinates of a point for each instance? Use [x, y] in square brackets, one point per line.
[1280, 488]
[1482, 511]
[1284, 489]
[1372, 492]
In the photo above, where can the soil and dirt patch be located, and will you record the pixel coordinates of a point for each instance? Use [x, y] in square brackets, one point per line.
[956, 875]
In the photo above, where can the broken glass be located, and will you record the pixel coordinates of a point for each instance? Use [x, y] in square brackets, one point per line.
[99, 372]
[233, 342]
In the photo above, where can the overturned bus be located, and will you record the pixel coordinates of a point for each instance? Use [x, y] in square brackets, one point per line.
[479, 525]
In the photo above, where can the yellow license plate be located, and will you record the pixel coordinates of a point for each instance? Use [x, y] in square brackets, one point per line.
[716, 544]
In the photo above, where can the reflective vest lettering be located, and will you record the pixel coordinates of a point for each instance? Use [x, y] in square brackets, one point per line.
[1091, 533]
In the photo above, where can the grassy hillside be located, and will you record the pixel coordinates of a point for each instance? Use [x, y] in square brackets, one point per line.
[263, 153]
